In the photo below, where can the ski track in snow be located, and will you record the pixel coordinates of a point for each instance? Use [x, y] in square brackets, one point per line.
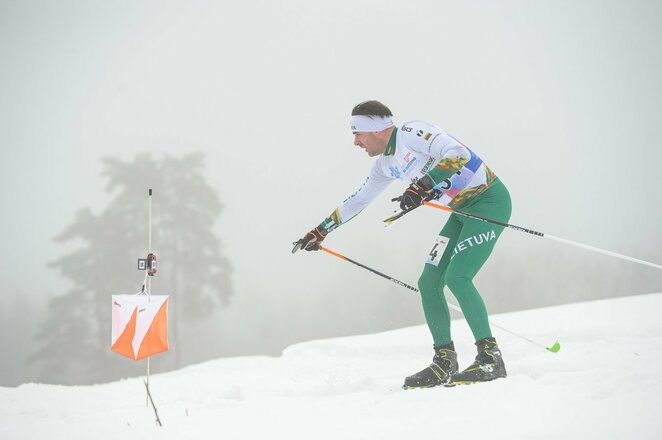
[602, 384]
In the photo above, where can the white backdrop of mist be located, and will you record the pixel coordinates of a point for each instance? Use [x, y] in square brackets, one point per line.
[561, 99]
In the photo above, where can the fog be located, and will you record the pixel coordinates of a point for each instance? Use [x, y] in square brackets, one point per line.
[561, 99]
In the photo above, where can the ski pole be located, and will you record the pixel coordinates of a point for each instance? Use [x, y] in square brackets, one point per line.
[554, 348]
[342, 257]
[543, 235]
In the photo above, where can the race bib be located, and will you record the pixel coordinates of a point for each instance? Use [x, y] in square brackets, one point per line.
[437, 250]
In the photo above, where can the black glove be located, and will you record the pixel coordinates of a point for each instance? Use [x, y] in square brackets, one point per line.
[412, 197]
[311, 241]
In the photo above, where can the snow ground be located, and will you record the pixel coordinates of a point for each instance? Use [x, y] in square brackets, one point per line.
[602, 384]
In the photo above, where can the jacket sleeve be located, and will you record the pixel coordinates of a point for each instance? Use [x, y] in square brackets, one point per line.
[433, 141]
[374, 184]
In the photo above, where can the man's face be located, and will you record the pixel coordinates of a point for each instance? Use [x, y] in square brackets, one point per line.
[372, 143]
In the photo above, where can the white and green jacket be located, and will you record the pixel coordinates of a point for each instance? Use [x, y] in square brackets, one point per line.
[414, 150]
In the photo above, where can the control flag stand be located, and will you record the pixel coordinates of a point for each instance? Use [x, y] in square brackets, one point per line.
[140, 321]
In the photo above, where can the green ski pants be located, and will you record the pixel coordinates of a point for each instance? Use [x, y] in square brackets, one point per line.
[461, 249]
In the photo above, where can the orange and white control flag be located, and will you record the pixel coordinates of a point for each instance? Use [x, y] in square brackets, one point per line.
[140, 325]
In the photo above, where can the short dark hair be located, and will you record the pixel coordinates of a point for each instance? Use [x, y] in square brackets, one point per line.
[371, 108]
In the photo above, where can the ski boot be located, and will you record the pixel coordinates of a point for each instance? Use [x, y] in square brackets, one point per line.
[444, 364]
[487, 366]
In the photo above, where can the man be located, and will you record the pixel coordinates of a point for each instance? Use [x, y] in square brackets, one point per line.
[435, 165]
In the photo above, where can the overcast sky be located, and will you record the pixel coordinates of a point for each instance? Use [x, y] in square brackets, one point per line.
[561, 99]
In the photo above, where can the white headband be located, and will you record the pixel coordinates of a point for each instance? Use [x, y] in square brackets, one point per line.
[361, 123]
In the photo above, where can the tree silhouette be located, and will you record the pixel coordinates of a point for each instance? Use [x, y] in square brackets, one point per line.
[75, 337]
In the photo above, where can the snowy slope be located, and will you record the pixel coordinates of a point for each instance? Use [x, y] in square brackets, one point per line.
[604, 383]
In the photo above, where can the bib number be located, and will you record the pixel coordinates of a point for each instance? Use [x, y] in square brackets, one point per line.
[437, 250]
